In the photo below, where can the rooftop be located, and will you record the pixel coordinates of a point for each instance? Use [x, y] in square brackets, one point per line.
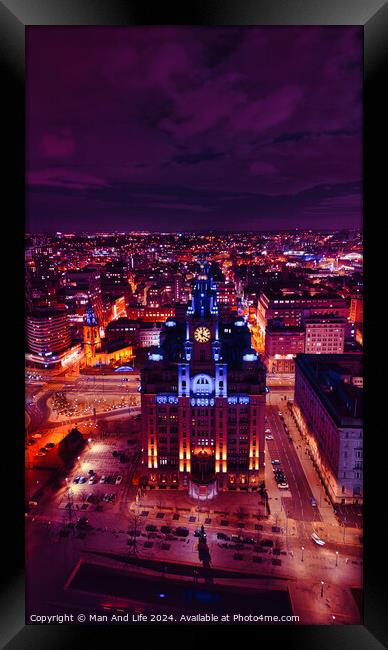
[331, 376]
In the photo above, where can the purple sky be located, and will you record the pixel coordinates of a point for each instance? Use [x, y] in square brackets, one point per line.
[184, 128]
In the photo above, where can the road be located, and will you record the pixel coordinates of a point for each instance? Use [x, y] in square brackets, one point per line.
[298, 506]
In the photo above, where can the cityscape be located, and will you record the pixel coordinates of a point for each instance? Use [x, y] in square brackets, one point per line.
[194, 326]
[194, 424]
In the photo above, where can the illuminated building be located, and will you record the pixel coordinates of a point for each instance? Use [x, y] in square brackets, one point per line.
[356, 309]
[49, 341]
[81, 288]
[293, 308]
[98, 353]
[203, 398]
[115, 280]
[325, 335]
[124, 330]
[282, 344]
[149, 334]
[328, 407]
[150, 314]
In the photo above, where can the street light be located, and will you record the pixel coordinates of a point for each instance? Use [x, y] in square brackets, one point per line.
[336, 558]
[302, 552]
[322, 583]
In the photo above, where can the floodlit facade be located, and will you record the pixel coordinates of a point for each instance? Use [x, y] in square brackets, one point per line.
[203, 396]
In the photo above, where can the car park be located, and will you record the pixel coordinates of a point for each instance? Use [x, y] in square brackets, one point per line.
[317, 540]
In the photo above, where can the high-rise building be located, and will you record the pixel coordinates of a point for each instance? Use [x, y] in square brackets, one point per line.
[83, 286]
[328, 407]
[48, 337]
[203, 397]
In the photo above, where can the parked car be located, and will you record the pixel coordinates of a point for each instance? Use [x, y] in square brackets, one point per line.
[102, 479]
[150, 528]
[276, 461]
[182, 532]
[50, 445]
[76, 479]
[223, 536]
[269, 437]
[283, 486]
[82, 479]
[118, 480]
[317, 539]
[92, 480]
[166, 530]
[313, 502]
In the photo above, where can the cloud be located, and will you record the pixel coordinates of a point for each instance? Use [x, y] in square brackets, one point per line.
[63, 178]
[57, 145]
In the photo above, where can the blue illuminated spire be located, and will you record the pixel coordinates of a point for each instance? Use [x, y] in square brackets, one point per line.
[90, 315]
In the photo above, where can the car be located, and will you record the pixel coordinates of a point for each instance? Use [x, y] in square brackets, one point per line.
[249, 540]
[31, 442]
[317, 539]
[283, 486]
[92, 480]
[76, 479]
[50, 445]
[236, 538]
[268, 431]
[313, 502]
[280, 478]
[226, 538]
[40, 453]
[150, 528]
[102, 479]
[276, 461]
[118, 480]
[182, 532]
[269, 437]
[36, 436]
[91, 472]
[166, 530]
[82, 479]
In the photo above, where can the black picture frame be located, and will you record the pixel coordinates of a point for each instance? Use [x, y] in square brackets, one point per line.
[15, 16]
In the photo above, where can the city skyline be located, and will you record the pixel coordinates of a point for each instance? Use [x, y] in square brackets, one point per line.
[180, 129]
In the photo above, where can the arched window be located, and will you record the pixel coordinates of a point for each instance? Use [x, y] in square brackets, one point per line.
[203, 385]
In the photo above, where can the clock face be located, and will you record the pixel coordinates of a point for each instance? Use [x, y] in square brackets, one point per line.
[202, 334]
